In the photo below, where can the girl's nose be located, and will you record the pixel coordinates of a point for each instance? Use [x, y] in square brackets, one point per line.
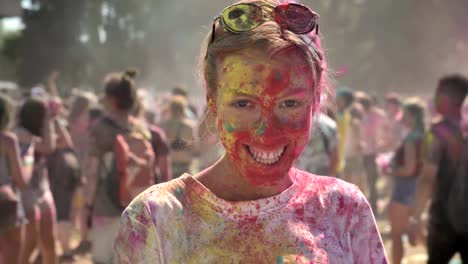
[268, 128]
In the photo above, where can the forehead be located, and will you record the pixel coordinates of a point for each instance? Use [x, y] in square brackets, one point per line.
[250, 67]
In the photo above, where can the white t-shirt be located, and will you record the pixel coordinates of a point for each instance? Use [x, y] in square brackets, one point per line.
[316, 220]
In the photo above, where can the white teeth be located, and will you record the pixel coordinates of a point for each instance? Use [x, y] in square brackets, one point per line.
[266, 157]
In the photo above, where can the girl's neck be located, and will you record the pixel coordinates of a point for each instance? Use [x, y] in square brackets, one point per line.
[224, 181]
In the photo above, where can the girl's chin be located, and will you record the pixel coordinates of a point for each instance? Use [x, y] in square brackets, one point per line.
[258, 174]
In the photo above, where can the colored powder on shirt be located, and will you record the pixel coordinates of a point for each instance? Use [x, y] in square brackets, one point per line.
[316, 220]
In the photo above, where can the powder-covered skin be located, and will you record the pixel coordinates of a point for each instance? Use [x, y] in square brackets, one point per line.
[316, 220]
[263, 103]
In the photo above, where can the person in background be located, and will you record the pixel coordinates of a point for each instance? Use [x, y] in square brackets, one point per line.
[212, 148]
[14, 176]
[65, 177]
[161, 149]
[159, 143]
[406, 167]
[344, 101]
[373, 127]
[94, 116]
[79, 123]
[264, 70]
[320, 155]
[102, 212]
[36, 133]
[354, 169]
[395, 129]
[179, 90]
[181, 135]
[465, 119]
[445, 147]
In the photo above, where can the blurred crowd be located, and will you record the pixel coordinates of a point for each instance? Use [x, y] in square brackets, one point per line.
[68, 166]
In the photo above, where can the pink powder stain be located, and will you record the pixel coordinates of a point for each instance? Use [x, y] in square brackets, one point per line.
[276, 82]
[275, 131]
[299, 212]
[341, 203]
[137, 239]
[144, 220]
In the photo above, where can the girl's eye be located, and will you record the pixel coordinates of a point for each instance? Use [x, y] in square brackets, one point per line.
[290, 103]
[242, 104]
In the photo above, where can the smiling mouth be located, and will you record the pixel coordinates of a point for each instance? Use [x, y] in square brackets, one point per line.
[264, 157]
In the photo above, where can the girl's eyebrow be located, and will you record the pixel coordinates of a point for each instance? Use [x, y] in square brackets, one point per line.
[296, 92]
[240, 92]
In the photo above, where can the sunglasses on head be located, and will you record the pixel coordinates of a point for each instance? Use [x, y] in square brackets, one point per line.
[240, 18]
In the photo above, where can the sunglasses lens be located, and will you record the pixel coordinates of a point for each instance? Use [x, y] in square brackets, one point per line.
[296, 18]
[242, 17]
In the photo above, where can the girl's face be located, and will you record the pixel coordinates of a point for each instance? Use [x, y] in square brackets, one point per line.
[408, 120]
[263, 107]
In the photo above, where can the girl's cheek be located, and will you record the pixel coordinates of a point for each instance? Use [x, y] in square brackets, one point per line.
[296, 123]
[228, 133]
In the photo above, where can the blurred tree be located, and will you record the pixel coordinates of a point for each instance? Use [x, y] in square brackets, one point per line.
[375, 45]
[50, 41]
[394, 44]
[8, 58]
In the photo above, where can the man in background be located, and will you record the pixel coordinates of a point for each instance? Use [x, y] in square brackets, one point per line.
[445, 147]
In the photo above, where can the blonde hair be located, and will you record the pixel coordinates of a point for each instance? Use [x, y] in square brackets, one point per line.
[6, 112]
[416, 108]
[268, 37]
[81, 103]
[178, 105]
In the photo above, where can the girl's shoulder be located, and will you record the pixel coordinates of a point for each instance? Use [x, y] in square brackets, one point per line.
[161, 196]
[8, 137]
[329, 192]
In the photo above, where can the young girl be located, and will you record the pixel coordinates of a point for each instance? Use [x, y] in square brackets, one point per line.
[406, 168]
[12, 178]
[264, 70]
[36, 134]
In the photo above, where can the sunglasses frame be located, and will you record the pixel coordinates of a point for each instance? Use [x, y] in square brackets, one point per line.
[264, 17]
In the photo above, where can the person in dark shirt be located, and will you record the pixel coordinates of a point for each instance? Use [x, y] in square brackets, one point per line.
[443, 151]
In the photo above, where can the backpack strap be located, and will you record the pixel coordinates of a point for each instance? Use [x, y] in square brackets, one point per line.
[108, 121]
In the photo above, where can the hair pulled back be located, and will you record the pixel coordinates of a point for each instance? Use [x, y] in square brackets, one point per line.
[32, 115]
[122, 87]
[416, 109]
